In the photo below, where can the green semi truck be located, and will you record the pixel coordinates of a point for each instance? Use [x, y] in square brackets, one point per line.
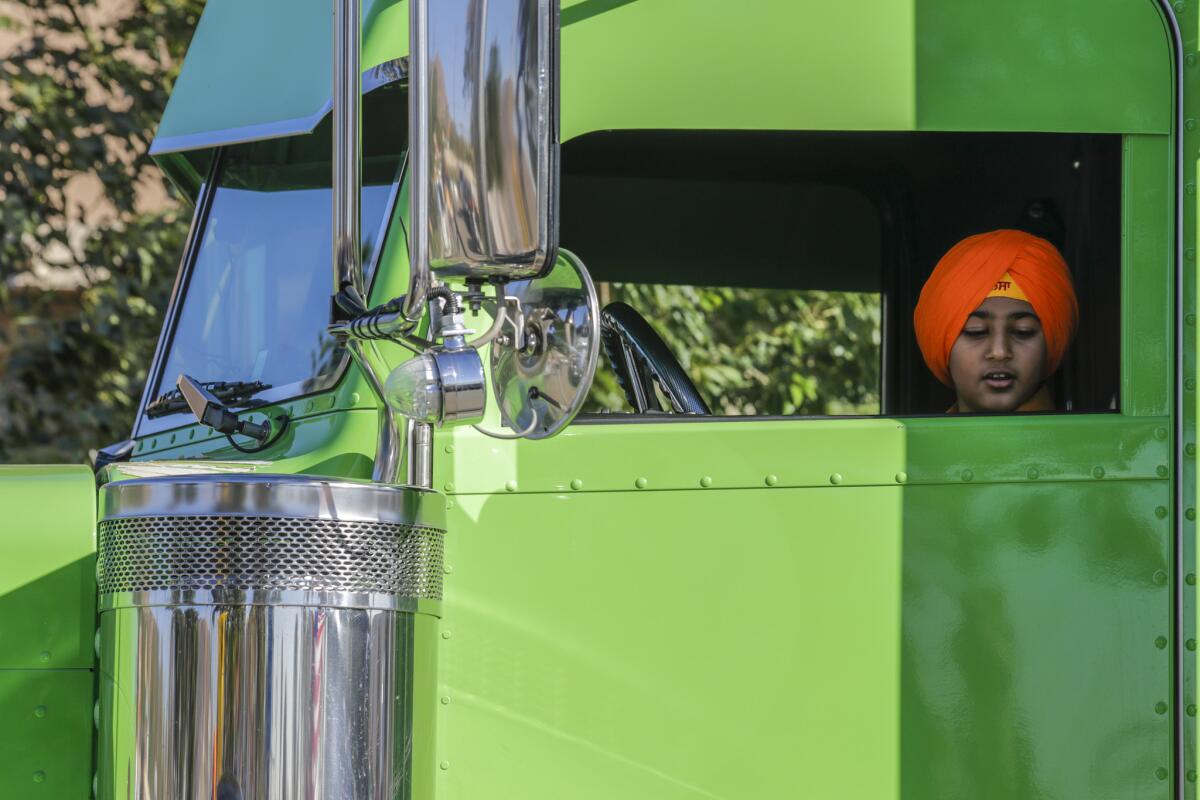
[370, 538]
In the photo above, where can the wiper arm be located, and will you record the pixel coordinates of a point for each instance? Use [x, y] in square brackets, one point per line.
[230, 393]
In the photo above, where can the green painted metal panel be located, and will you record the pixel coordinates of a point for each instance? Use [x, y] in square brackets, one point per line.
[341, 443]
[1036, 625]
[426, 700]
[47, 572]
[1029, 65]
[1189, 21]
[1147, 275]
[1190, 474]
[1034, 594]
[757, 64]
[748, 453]
[46, 738]
[1023, 449]
[731, 454]
[385, 31]
[673, 644]
[675, 64]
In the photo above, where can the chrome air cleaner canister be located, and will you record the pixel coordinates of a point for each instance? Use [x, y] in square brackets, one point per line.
[256, 635]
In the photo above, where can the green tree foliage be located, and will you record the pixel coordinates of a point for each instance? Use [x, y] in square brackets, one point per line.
[81, 96]
[756, 351]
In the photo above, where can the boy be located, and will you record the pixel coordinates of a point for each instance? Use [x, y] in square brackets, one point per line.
[995, 319]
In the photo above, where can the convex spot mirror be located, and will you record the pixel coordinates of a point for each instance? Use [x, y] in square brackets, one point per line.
[544, 359]
[484, 109]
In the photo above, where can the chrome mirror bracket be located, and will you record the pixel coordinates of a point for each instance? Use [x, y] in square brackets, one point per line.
[515, 221]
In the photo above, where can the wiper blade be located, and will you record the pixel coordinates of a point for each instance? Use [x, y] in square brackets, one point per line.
[230, 393]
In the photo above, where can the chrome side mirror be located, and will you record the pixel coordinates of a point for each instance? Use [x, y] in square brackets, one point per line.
[544, 360]
[484, 126]
[483, 171]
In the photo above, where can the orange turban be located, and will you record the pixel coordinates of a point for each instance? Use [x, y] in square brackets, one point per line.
[968, 274]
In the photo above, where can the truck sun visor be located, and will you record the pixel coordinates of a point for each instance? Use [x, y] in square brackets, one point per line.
[237, 85]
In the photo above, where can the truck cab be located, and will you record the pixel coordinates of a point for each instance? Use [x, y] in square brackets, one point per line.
[756, 557]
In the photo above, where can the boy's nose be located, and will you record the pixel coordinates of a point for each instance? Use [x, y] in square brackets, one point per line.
[998, 348]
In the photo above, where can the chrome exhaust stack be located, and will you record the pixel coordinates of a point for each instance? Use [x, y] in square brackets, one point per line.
[257, 636]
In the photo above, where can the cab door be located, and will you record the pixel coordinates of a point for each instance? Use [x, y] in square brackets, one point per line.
[688, 609]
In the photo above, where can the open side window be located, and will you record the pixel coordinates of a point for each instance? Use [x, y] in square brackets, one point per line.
[783, 268]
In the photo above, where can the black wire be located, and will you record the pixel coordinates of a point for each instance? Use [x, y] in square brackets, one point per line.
[366, 326]
[452, 306]
[282, 419]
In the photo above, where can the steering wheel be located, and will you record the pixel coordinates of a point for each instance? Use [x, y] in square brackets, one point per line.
[640, 358]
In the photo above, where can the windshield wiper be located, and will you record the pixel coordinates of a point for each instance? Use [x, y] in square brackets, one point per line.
[230, 393]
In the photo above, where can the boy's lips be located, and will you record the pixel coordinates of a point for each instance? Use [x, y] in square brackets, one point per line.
[1000, 379]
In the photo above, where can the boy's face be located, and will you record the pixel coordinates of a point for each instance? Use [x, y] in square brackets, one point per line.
[999, 359]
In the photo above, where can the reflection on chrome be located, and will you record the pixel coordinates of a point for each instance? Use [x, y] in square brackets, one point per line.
[257, 636]
[347, 163]
[484, 174]
[543, 365]
[255, 702]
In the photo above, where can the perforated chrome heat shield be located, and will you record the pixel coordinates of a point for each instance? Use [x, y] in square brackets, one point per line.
[257, 635]
[195, 553]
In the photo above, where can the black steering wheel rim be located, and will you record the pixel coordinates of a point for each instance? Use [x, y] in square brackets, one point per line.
[640, 359]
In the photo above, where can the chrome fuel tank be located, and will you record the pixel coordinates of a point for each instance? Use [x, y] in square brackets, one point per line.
[256, 636]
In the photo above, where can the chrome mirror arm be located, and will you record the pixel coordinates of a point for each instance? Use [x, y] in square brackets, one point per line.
[419, 280]
[347, 255]
[347, 141]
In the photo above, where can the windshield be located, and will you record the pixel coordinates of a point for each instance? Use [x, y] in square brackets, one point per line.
[257, 295]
